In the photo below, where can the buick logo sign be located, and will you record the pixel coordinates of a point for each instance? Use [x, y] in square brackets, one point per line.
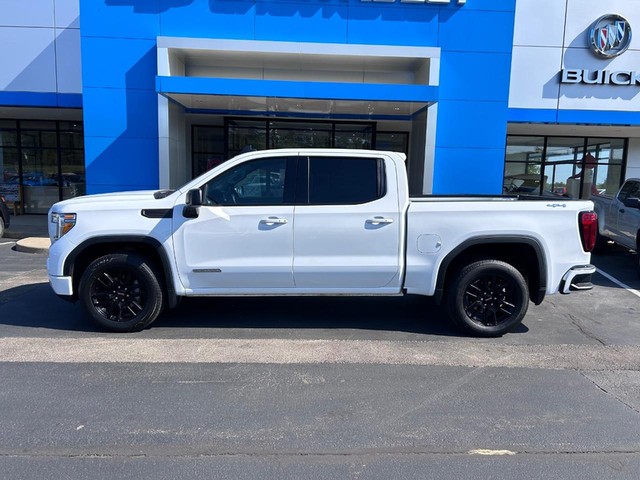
[610, 36]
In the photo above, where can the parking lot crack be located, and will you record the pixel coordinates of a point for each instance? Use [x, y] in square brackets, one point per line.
[576, 322]
[607, 392]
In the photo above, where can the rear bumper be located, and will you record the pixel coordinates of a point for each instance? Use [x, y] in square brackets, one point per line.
[577, 278]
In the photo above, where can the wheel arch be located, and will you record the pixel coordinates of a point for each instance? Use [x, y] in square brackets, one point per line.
[525, 253]
[80, 257]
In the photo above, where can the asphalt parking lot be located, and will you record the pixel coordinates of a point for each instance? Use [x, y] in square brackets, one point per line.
[320, 387]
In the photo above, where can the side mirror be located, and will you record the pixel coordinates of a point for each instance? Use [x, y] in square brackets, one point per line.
[632, 202]
[193, 203]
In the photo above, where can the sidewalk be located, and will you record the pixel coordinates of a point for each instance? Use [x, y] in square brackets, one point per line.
[31, 231]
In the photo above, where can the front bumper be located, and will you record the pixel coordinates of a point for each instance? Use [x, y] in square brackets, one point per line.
[62, 286]
[577, 278]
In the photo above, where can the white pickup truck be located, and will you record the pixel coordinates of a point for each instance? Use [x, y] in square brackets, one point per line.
[619, 217]
[316, 222]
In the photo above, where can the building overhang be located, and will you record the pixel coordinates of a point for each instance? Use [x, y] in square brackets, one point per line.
[305, 78]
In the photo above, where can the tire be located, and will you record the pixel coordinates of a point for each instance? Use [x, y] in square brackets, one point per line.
[1, 227]
[487, 298]
[121, 292]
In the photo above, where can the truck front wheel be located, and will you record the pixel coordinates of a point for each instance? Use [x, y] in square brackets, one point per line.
[487, 298]
[121, 292]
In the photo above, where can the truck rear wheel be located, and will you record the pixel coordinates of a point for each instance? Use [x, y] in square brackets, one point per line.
[121, 292]
[487, 298]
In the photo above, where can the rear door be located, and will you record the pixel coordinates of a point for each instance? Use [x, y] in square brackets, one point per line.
[347, 224]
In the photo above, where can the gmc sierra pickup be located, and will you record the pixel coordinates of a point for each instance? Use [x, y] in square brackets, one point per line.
[316, 222]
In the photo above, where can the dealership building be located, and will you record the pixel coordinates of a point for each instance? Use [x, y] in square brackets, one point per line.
[484, 96]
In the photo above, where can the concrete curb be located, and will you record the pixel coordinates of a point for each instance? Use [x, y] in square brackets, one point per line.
[33, 245]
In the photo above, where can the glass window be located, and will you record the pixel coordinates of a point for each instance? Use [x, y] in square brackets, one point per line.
[393, 141]
[208, 139]
[523, 166]
[299, 134]
[207, 148]
[9, 174]
[246, 135]
[260, 182]
[72, 140]
[576, 167]
[342, 181]
[38, 139]
[354, 136]
[44, 159]
[8, 138]
[630, 189]
[73, 178]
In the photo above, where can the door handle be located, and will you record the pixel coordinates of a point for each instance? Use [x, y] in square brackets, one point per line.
[621, 210]
[379, 221]
[273, 221]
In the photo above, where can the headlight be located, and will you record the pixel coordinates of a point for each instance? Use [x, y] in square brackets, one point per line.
[63, 223]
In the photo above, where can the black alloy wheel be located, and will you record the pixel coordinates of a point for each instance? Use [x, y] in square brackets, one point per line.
[488, 298]
[118, 295]
[121, 292]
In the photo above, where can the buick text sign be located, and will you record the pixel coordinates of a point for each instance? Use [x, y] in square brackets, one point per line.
[601, 77]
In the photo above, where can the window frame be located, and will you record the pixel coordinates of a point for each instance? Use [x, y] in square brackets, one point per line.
[578, 164]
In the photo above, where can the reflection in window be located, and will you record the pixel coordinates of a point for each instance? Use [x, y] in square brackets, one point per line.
[41, 162]
[575, 167]
[260, 182]
[213, 145]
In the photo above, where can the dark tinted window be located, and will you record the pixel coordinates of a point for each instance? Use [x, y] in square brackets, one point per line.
[630, 189]
[345, 181]
[261, 182]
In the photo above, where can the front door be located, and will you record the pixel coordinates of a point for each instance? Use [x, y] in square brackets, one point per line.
[243, 236]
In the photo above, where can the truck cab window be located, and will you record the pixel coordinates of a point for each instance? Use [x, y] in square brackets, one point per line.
[345, 181]
[261, 182]
[630, 189]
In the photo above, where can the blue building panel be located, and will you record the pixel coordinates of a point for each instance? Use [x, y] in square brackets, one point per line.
[599, 117]
[301, 22]
[415, 26]
[208, 19]
[121, 164]
[474, 76]
[120, 18]
[471, 124]
[38, 99]
[118, 115]
[477, 30]
[119, 63]
[289, 89]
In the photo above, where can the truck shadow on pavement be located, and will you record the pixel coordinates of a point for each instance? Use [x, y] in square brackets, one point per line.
[35, 306]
